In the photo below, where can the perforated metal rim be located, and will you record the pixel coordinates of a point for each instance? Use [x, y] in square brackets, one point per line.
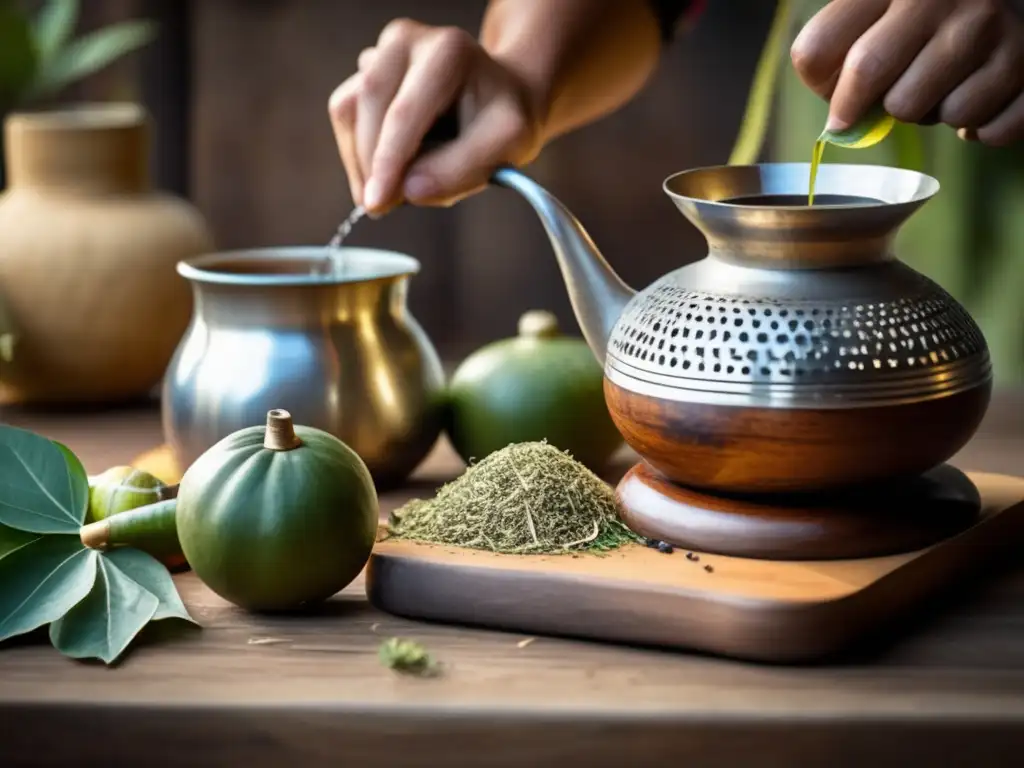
[700, 346]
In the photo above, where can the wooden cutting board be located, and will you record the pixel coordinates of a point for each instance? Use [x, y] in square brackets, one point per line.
[760, 610]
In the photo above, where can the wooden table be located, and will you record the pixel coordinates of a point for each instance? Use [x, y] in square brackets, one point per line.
[309, 691]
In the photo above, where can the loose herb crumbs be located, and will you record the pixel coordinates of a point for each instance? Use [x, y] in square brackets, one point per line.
[406, 656]
[527, 498]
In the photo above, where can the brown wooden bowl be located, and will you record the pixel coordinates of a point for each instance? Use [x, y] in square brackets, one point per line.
[768, 450]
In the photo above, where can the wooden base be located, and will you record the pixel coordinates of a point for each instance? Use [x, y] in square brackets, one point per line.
[900, 517]
[762, 610]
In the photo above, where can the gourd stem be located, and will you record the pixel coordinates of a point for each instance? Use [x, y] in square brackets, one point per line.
[538, 324]
[280, 432]
[95, 535]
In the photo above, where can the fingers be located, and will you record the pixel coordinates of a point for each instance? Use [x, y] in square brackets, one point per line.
[986, 92]
[432, 83]
[500, 134]
[365, 60]
[1007, 128]
[381, 81]
[961, 45]
[820, 48]
[342, 110]
[878, 58]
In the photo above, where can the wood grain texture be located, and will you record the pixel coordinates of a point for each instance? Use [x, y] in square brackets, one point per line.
[768, 611]
[898, 517]
[945, 688]
[757, 450]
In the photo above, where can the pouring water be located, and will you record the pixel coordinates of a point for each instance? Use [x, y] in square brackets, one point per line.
[334, 259]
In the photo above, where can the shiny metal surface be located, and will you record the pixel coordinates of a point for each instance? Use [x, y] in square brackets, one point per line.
[339, 351]
[793, 306]
[799, 237]
[597, 294]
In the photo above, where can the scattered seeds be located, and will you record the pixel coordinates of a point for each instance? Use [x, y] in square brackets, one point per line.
[708, 568]
[692, 557]
[526, 642]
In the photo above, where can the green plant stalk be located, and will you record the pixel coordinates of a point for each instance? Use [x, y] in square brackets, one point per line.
[754, 127]
[150, 528]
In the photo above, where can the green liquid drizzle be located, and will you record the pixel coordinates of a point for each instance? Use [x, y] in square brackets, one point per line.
[816, 155]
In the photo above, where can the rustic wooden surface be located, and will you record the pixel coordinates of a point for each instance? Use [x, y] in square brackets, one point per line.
[757, 610]
[949, 690]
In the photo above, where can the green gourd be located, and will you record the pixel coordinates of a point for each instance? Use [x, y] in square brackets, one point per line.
[277, 517]
[123, 488]
[539, 385]
[151, 528]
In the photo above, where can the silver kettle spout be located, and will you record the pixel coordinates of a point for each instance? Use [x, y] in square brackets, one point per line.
[598, 295]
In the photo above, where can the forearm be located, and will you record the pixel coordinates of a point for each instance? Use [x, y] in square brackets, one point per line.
[580, 59]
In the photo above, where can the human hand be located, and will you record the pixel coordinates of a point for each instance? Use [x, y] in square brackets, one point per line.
[413, 75]
[960, 62]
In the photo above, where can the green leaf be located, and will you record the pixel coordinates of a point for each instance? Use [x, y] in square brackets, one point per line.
[53, 26]
[43, 580]
[91, 53]
[12, 540]
[103, 624]
[18, 54]
[43, 487]
[151, 574]
[874, 126]
[754, 127]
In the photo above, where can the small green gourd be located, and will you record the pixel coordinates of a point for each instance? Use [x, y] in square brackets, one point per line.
[539, 385]
[120, 489]
[277, 517]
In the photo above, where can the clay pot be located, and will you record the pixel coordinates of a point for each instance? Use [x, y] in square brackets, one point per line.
[87, 257]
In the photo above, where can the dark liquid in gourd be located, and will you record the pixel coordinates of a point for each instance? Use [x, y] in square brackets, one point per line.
[801, 200]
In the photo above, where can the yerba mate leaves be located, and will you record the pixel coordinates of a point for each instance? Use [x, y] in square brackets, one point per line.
[109, 617]
[149, 573]
[43, 486]
[870, 129]
[41, 581]
[12, 540]
[874, 126]
[96, 603]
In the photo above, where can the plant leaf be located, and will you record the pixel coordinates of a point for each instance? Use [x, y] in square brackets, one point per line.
[91, 53]
[53, 26]
[103, 624]
[18, 56]
[12, 540]
[874, 126]
[754, 127]
[151, 574]
[43, 580]
[43, 487]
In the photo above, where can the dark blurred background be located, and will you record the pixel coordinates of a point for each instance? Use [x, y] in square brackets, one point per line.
[238, 90]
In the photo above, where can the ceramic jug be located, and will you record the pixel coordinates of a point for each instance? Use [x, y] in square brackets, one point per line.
[87, 256]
